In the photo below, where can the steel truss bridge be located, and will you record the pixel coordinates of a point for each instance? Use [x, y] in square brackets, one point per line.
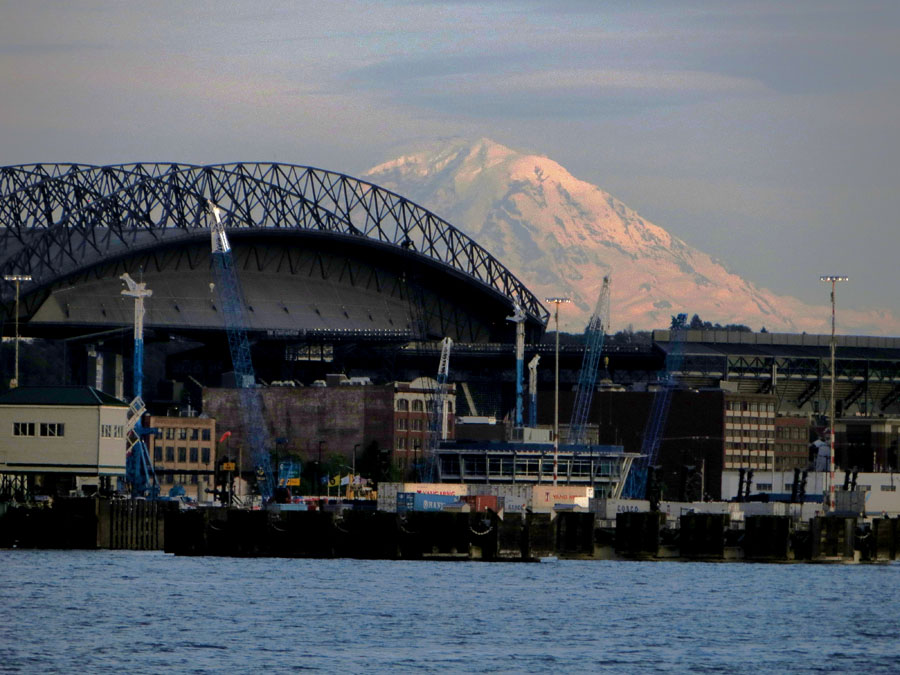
[797, 369]
[58, 222]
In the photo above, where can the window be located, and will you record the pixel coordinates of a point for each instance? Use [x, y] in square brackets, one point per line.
[157, 454]
[193, 454]
[205, 455]
[182, 434]
[402, 405]
[106, 430]
[205, 435]
[401, 443]
[170, 453]
[23, 428]
[449, 407]
[418, 406]
[417, 444]
[170, 434]
[195, 434]
[119, 431]
[888, 488]
[764, 487]
[52, 429]
[193, 479]
[401, 423]
[182, 454]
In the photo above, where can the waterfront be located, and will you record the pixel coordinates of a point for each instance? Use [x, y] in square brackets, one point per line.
[105, 611]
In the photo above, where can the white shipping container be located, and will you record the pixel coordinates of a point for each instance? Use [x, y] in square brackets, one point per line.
[545, 497]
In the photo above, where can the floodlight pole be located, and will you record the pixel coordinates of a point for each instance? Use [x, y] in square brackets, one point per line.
[557, 302]
[833, 279]
[17, 278]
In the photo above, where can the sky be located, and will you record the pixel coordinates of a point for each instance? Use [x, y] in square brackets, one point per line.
[765, 133]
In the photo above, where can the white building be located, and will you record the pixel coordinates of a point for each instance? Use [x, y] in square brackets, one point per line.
[57, 432]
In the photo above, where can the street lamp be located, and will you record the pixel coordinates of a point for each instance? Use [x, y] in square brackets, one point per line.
[16, 278]
[832, 279]
[556, 301]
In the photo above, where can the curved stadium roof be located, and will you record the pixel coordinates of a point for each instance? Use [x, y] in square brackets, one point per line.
[59, 222]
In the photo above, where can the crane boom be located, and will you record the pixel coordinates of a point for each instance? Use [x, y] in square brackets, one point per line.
[594, 333]
[436, 418]
[637, 484]
[235, 317]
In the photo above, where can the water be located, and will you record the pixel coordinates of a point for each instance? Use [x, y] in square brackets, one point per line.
[65, 611]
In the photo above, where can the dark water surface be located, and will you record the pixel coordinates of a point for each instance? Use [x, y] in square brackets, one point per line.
[65, 611]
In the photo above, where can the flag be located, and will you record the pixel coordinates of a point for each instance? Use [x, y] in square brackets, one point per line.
[346, 479]
[335, 481]
[227, 434]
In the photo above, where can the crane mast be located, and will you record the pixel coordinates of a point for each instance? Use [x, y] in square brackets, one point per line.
[594, 333]
[532, 390]
[518, 317]
[233, 309]
[139, 472]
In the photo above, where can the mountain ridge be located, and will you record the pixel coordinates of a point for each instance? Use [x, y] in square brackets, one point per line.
[560, 235]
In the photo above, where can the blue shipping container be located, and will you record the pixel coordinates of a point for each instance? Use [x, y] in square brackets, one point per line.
[415, 501]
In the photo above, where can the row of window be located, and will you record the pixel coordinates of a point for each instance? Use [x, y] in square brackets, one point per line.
[792, 432]
[202, 454]
[182, 433]
[409, 444]
[112, 431]
[750, 406]
[47, 429]
[404, 424]
[749, 433]
[418, 405]
[184, 479]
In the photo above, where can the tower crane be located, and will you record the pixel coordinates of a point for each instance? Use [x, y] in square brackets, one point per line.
[436, 421]
[518, 317]
[139, 472]
[594, 333]
[231, 298]
[532, 390]
[638, 482]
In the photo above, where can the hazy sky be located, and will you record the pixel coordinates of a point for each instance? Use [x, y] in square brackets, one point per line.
[764, 133]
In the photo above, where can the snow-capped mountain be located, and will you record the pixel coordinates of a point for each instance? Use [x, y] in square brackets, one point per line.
[561, 235]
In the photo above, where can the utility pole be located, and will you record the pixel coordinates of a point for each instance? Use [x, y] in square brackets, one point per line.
[833, 279]
[556, 301]
[16, 278]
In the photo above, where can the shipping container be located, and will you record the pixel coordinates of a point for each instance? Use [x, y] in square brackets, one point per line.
[417, 501]
[545, 497]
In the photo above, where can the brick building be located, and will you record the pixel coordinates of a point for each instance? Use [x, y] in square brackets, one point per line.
[184, 453]
[791, 442]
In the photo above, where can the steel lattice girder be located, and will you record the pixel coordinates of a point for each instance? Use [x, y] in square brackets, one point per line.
[58, 219]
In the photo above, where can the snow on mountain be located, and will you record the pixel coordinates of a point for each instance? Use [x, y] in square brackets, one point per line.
[561, 235]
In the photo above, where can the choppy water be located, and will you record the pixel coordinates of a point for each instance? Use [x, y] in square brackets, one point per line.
[65, 611]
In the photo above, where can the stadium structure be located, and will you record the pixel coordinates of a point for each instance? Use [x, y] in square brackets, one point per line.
[324, 259]
[339, 274]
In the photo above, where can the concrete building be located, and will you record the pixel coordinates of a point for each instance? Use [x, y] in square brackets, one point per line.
[56, 439]
[184, 453]
[749, 431]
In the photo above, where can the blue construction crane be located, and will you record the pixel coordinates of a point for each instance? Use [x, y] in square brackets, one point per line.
[636, 483]
[594, 333]
[518, 317]
[436, 416]
[139, 472]
[231, 298]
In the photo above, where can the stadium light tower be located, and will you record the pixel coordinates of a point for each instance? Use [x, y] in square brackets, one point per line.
[17, 278]
[556, 301]
[833, 279]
